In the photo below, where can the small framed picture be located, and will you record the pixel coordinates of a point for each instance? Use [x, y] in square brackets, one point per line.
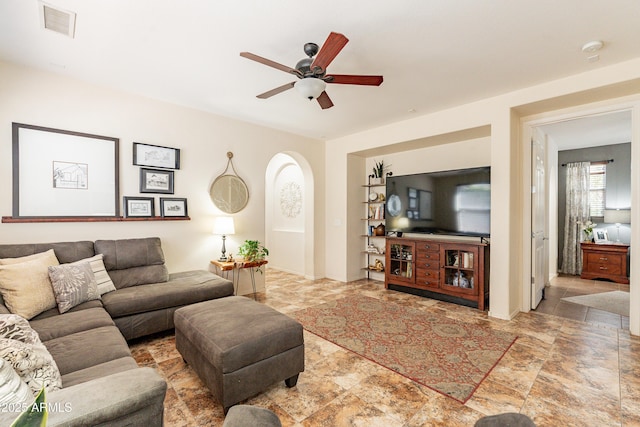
[173, 207]
[156, 181]
[600, 235]
[138, 206]
[156, 156]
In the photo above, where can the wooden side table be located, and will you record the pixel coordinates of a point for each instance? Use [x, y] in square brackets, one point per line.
[224, 267]
[605, 261]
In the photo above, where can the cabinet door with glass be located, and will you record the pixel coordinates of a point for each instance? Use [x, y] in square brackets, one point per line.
[459, 272]
[401, 261]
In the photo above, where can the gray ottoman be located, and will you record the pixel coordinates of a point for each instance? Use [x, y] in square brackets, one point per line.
[239, 347]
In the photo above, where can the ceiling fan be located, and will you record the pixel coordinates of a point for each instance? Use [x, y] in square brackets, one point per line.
[312, 72]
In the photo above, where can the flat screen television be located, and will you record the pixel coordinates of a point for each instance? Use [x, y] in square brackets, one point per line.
[454, 202]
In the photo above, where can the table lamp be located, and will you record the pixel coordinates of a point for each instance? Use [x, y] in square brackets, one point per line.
[223, 225]
[617, 217]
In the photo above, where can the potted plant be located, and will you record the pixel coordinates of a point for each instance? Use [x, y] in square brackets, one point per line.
[253, 250]
[378, 173]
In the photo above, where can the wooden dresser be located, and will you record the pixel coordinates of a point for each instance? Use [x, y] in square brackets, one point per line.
[605, 261]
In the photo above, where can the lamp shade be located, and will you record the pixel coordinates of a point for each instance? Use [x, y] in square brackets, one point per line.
[310, 87]
[617, 216]
[223, 225]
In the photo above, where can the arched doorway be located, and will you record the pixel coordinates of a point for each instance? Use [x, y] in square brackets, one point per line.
[289, 214]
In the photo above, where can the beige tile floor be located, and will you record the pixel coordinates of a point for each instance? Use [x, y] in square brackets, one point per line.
[560, 372]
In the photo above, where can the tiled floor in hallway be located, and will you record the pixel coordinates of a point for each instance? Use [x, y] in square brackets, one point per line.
[560, 371]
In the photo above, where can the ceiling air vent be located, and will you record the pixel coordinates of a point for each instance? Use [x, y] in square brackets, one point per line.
[59, 20]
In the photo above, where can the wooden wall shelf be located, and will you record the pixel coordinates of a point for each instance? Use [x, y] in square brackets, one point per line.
[12, 220]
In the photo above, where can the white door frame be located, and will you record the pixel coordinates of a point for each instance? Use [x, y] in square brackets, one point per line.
[526, 132]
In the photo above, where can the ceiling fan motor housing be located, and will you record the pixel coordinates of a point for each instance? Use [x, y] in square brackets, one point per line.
[304, 65]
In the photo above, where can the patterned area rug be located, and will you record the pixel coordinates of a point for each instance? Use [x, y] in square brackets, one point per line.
[613, 302]
[446, 355]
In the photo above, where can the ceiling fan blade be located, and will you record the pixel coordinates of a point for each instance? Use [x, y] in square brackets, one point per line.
[350, 79]
[270, 63]
[329, 50]
[325, 101]
[275, 91]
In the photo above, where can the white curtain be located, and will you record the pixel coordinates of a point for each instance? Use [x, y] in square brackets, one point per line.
[577, 212]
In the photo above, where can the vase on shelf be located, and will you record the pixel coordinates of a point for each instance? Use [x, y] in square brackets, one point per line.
[377, 181]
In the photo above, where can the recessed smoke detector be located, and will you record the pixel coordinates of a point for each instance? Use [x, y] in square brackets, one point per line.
[56, 19]
[592, 46]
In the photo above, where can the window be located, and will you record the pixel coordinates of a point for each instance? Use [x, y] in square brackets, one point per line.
[597, 188]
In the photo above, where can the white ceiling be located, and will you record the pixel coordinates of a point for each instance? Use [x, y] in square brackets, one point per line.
[591, 131]
[433, 54]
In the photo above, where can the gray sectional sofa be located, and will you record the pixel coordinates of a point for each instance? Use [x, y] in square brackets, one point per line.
[101, 382]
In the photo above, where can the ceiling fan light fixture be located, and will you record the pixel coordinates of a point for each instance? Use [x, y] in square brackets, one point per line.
[310, 87]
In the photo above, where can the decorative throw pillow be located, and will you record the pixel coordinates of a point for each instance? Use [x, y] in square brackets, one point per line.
[40, 255]
[14, 393]
[103, 280]
[25, 285]
[21, 347]
[73, 284]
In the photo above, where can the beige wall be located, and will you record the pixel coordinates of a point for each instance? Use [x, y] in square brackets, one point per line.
[502, 116]
[45, 99]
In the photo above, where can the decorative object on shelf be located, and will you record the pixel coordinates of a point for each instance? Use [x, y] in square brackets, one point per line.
[376, 212]
[229, 192]
[379, 230]
[170, 206]
[223, 226]
[377, 178]
[138, 207]
[600, 235]
[373, 249]
[617, 217]
[373, 196]
[156, 181]
[59, 173]
[377, 266]
[156, 156]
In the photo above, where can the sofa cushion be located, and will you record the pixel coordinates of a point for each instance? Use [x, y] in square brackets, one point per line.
[132, 262]
[96, 303]
[182, 288]
[135, 276]
[22, 348]
[87, 348]
[73, 284]
[98, 371]
[65, 251]
[127, 253]
[14, 392]
[25, 285]
[71, 322]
